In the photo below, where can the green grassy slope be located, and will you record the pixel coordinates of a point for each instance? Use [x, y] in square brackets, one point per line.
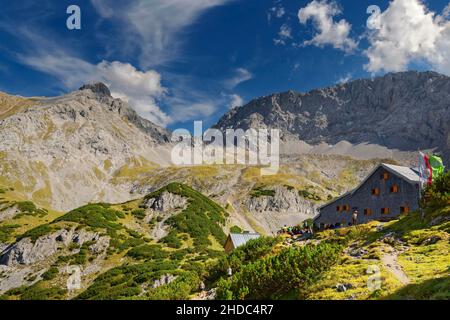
[133, 261]
[18, 215]
[408, 258]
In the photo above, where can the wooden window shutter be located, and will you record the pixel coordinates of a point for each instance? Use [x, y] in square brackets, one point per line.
[394, 189]
[404, 210]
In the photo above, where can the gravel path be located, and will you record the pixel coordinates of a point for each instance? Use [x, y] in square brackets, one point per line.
[390, 262]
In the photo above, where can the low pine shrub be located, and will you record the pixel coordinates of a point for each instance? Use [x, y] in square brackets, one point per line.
[276, 275]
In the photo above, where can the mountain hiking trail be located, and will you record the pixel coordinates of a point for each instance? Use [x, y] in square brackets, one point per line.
[390, 262]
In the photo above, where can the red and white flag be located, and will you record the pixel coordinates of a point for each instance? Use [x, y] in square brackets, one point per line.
[425, 170]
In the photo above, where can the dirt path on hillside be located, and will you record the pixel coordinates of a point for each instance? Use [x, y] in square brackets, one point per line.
[390, 262]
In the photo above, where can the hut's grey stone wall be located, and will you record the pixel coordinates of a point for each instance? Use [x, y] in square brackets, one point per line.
[362, 199]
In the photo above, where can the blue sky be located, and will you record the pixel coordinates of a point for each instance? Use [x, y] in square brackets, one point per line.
[177, 61]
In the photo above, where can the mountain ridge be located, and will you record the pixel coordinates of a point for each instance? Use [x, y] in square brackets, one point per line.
[65, 151]
[404, 111]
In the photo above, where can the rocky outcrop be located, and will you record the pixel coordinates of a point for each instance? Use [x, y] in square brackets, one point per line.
[3, 247]
[166, 202]
[162, 208]
[8, 213]
[165, 279]
[285, 207]
[100, 245]
[98, 88]
[404, 111]
[284, 200]
[83, 236]
[27, 252]
[13, 278]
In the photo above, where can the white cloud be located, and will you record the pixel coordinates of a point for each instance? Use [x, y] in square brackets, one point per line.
[277, 12]
[155, 27]
[329, 32]
[150, 31]
[236, 101]
[142, 89]
[284, 34]
[147, 108]
[139, 89]
[70, 70]
[193, 111]
[345, 78]
[103, 8]
[126, 79]
[154, 31]
[240, 75]
[409, 32]
[446, 12]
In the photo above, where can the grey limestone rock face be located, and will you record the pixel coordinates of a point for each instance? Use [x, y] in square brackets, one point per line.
[284, 200]
[97, 88]
[26, 252]
[286, 207]
[8, 213]
[404, 111]
[100, 245]
[163, 207]
[82, 236]
[3, 247]
[13, 278]
[165, 279]
[166, 202]
[78, 141]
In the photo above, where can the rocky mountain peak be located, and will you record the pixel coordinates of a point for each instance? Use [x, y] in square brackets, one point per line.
[98, 88]
[69, 148]
[403, 111]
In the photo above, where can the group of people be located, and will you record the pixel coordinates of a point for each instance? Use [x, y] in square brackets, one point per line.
[305, 230]
[297, 230]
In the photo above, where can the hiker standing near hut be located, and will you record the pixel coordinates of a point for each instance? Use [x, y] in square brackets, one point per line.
[355, 217]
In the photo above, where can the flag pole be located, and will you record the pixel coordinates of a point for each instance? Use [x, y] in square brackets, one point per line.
[420, 183]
